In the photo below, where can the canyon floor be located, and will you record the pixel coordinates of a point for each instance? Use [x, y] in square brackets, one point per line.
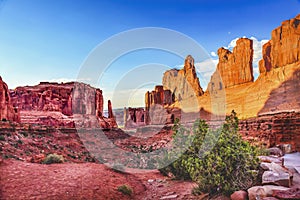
[21, 180]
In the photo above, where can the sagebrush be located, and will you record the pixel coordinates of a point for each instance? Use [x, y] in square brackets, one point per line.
[220, 161]
[53, 158]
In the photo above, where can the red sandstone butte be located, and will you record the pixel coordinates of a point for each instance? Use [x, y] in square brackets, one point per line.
[283, 48]
[235, 67]
[183, 83]
[7, 111]
[55, 104]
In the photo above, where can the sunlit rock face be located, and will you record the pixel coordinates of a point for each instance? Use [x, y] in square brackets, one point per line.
[183, 83]
[7, 111]
[235, 68]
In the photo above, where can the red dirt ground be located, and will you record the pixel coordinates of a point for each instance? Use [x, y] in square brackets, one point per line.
[21, 180]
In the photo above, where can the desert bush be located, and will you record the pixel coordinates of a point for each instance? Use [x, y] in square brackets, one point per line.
[219, 161]
[53, 158]
[125, 189]
[2, 138]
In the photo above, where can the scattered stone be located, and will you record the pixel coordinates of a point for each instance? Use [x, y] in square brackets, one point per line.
[239, 195]
[150, 181]
[275, 151]
[289, 194]
[264, 191]
[271, 159]
[169, 197]
[170, 193]
[276, 174]
[272, 177]
[287, 148]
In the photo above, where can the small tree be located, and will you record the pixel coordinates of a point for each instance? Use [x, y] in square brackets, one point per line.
[219, 161]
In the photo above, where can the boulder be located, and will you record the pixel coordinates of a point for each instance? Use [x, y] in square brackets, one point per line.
[264, 191]
[288, 194]
[276, 175]
[275, 151]
[271, 159]
[276, 178]
[239, 195]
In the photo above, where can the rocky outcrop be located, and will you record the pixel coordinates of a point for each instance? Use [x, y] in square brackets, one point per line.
[284, 47]
[134, 117]
[183, 83]
[56, 104]
[265, 64]
[7, 111]
[273, 129]
[235, 67]
[158, 96]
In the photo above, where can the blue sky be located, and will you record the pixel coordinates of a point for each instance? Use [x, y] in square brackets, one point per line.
[44, 40]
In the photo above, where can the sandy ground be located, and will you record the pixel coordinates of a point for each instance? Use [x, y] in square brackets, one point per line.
[20, 180]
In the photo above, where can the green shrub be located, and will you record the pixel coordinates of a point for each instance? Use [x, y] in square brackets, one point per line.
[125, 189]
[53, 158]
[2, 138]
[219, 161]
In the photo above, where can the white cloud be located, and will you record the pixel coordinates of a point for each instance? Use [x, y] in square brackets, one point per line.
[213, 54]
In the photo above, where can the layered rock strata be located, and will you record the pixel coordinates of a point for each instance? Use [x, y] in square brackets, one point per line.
[60, 105]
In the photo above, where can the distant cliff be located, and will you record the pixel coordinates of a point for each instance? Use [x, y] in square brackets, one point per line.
[56, 105]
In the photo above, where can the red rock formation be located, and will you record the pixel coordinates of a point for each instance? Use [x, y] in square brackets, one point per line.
[235, 67]
[183, 83]
[273, 129]
[134, 117]
[265, 64]
[7, 111]
[111, 118]
[54, 104]
[284, 46]
[158, 96]
[110, 111]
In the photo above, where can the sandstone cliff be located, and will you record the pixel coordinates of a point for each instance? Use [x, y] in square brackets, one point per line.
[283, 48]
[232, 87]
[56, 104]
[235, 67]
[183, 83]
[7, 111]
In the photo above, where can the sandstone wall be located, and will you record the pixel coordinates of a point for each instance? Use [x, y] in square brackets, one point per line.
[235, 67]
[284, 47]
[7, 110]
[274, 129]
[56, 104]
